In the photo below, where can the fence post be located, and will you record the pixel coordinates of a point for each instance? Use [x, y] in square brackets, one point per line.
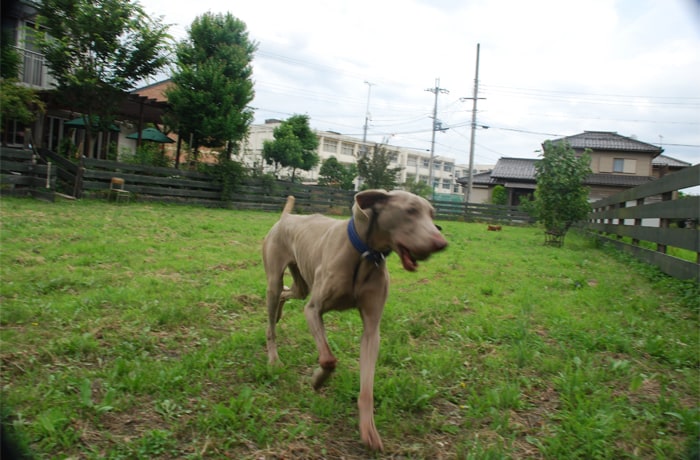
[638, 222]
[78, 186]
[664, 222]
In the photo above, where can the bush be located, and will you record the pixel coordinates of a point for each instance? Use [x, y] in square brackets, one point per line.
[499, 195]
[230, 173]
[149, 154]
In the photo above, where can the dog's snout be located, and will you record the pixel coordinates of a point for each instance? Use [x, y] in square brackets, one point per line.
[439, 243]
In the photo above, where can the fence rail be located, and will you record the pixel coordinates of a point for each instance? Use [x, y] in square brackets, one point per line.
[92, 177]
[649, 222]
[22, 173]
[476, 212]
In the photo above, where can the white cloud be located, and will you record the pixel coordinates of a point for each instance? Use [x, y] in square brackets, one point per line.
[547, 67]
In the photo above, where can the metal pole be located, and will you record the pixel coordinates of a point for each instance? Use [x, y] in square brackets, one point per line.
[471, 143]
[364, 134]
[435, 90]
[432, 142]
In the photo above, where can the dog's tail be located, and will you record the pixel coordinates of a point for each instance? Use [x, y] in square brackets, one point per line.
[289, 205]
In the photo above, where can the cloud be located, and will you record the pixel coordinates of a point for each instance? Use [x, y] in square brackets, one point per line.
[546, 67]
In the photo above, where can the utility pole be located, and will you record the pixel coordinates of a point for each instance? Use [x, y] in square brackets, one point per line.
[471, 143]
[437, 90]
[363, 149]
[364, 134]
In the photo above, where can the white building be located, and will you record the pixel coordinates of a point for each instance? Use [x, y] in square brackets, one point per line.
[414, 163]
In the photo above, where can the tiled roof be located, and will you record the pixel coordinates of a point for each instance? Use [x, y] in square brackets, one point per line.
[606, 140]
[515, 168]
[483, 178]
[663, 160]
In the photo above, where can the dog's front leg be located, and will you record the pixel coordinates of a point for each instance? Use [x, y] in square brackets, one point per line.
[369, 350]
[326, 360]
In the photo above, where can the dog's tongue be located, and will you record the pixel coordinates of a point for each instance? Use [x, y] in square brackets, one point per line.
[408, 262]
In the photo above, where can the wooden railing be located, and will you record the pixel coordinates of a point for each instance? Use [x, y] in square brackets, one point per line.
[655, 226]
[476, 212]
[25, 174]
[91, 178]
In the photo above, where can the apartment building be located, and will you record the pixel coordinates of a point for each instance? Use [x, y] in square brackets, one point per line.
[414, 164]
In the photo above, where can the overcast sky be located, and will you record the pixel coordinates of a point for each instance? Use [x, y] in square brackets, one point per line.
[548, 69]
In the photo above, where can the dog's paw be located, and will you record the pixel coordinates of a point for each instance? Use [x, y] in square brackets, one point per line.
[319, 377]
[370, 437]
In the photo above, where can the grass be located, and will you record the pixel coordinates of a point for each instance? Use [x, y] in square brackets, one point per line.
[138, 331]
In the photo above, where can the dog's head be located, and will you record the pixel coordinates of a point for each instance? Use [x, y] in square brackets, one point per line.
[400, 221]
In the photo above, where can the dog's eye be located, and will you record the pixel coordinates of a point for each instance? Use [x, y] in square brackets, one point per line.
[412, 211]
[438, 227]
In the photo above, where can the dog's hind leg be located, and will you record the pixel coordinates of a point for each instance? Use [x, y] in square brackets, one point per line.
[275, 301]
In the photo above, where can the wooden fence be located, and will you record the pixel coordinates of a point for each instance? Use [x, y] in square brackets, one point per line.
[23, 173]
[648, 220]
[477, 212]
[91, 178]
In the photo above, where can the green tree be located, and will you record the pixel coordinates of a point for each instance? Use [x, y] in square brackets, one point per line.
[97, 50]
[9, 57]
[213, 82]
[17, 102]
[561, 198]
[294, 145]
[419, 188]
[375, 172]
[333, 173]
[499, 195]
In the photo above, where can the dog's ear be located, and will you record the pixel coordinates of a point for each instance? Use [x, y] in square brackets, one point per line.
[369, 198]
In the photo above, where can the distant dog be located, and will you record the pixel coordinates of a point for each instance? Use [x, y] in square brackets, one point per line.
[494, 228]
[340, 263]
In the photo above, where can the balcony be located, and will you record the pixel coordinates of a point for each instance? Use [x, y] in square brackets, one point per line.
[33, 70]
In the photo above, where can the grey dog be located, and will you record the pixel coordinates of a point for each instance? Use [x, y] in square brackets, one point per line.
[341, 264]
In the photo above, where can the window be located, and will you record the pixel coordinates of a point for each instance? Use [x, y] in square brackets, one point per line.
[426, 163]
[618, 165]
[330, 145]
[412, 161]
[624, 165]
[448, 167]
[446, 183]
[347, 148]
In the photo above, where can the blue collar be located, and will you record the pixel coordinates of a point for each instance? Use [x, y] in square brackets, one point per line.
[377, 257]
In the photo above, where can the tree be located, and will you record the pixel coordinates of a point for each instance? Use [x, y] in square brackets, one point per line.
[17, 102]
[294, 145]
[419, 188]
[9, 57]
[333, 173]
[97, 50]
[213, 82]
[375, 171]
[499, 195]
[561, 199]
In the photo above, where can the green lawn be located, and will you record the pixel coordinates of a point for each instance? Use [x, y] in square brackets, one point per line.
[138, 331]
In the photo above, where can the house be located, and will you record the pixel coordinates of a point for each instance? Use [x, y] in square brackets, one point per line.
[617, 163]
[50, 129]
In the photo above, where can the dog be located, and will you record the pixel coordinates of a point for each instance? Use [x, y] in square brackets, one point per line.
[494, 228]
[340, 264]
